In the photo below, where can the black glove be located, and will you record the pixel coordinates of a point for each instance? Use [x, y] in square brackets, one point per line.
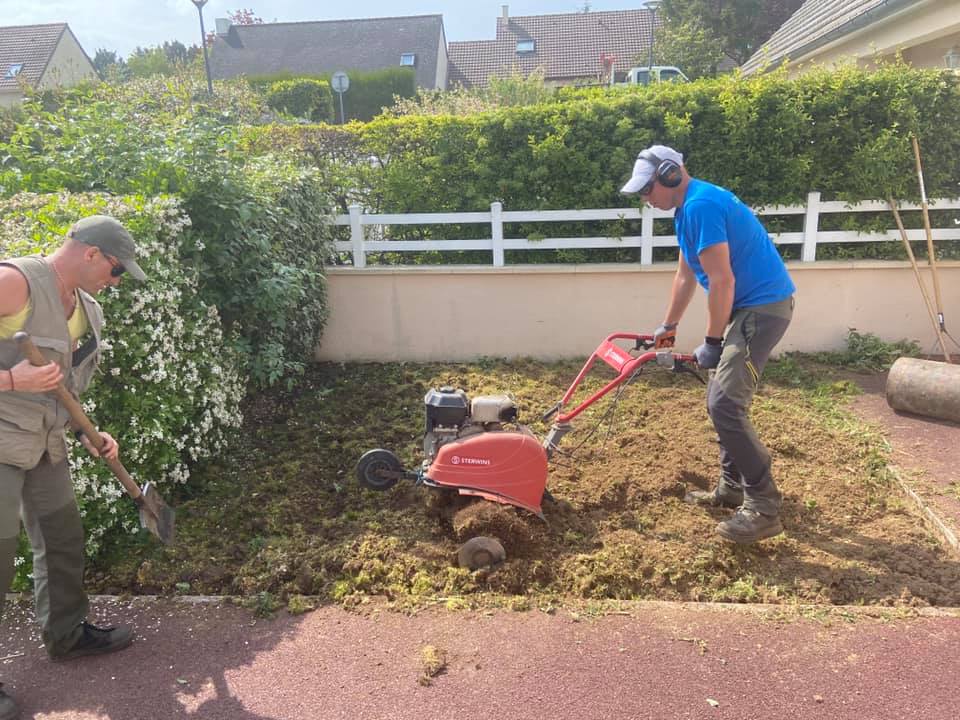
[665, 335]
[707, 355]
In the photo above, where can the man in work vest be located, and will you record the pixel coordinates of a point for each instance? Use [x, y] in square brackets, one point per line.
[725, 249]
[52, 300]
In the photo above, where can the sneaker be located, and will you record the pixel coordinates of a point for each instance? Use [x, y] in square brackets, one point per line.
[720, 496]
[748, 526]
[9, 710]
[96, 641]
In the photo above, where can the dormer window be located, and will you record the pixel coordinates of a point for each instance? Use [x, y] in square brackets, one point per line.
[14, 70]
[408, 59]
[525, 47]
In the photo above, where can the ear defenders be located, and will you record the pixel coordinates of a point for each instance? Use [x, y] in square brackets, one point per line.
[667, 172]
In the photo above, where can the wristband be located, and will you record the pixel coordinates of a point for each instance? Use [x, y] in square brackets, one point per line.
[713, 340]
[78, 434]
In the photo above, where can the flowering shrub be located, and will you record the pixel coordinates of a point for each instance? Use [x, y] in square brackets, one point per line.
[260, 227]
[169, 385]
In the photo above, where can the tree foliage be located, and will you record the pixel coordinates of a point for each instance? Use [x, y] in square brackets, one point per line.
[740, 26]
[690, 46]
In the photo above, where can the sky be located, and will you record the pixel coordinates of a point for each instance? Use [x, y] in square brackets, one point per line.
[122, 25]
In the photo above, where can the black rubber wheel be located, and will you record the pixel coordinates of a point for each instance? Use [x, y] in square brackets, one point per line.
[370, 466]
[481, 552]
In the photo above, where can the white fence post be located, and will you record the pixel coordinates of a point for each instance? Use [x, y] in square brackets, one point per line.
[811, 224]
[646, 235]
[356, 237]
[496, 230]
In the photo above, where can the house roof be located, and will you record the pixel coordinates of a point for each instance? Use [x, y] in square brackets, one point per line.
[567, 46]
[817, 23]
[31, 46]
[330, 45]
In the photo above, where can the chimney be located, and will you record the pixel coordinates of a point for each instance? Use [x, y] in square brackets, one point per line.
[505, 12]
[223, 26]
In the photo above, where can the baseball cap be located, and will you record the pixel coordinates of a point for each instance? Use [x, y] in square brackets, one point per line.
[646, 166]
[111, 237]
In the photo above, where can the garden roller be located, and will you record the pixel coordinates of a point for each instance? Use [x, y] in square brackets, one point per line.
[155, 515]
[925, 387]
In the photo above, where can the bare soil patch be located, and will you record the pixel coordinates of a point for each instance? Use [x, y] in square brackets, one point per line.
[283, 516]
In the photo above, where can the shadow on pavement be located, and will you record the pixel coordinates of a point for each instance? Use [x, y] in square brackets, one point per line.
[179, 665]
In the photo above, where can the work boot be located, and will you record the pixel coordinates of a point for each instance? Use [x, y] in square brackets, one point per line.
[95, 641]
[747, 526]
[9, 710]
[759, 516]
[723, 495]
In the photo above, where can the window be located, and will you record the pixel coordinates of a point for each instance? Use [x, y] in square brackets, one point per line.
[14, 70]
[408, 59]
[525, 47]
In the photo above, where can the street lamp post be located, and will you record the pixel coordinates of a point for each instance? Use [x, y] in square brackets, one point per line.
[203, 43]
[652, 6]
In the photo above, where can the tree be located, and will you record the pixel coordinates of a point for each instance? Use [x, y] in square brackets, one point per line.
[244, 17]
[108, 65]
[689, 46]
[740, 26]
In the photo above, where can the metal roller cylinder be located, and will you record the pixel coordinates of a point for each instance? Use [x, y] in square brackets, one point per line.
[925, 387]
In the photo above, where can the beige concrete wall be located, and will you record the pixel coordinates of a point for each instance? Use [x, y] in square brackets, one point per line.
[445, 314]
[10, 98]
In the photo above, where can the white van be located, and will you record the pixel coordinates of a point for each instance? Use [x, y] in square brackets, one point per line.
[643, 75]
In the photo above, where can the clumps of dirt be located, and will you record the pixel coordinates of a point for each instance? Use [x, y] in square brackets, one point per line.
[282, 514]
[433, 662]
[516, 533]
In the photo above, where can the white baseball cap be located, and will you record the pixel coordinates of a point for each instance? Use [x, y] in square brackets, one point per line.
[646, 165]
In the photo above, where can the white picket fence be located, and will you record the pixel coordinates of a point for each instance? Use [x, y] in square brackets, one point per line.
[809, 238]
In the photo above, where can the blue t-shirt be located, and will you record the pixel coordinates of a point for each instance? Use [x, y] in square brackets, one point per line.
[710, 215]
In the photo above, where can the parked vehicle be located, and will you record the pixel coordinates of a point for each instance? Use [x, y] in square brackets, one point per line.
[645, 74]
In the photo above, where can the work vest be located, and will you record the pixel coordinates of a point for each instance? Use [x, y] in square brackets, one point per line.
[33, 423]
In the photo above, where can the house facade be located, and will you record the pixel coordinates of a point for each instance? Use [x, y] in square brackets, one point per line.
[830, 32]
[40, 57]
[328, 46]
[585, 48]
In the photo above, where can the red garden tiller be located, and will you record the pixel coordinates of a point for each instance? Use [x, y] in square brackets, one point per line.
[469, 450]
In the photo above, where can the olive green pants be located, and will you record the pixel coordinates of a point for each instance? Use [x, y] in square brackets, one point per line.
[45, 498]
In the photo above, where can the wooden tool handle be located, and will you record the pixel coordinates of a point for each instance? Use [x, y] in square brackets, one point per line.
[79, 417]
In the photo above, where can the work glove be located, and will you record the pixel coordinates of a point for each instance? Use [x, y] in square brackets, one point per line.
[665, 336]
[707, 355]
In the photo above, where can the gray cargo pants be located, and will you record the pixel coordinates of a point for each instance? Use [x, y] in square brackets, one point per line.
[749, 339]
[45, 497]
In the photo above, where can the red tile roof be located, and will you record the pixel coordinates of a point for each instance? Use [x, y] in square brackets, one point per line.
[567, 46]
[31, 46]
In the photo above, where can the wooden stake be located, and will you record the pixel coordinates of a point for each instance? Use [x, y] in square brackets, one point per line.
[931, 253]
[937, 327]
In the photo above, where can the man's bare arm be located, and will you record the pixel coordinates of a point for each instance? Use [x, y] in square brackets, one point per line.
[716, 264]
[14, 291]
[684, 285]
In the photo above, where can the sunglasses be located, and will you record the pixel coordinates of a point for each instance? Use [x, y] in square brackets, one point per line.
[648, 188]
[116, 267]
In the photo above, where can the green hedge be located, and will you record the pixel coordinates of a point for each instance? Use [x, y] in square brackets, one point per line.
[303, 98]
[370, 90]
[770, 139]
[169, 385]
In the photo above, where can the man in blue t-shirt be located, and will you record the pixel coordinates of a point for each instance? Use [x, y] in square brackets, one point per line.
[725, 249]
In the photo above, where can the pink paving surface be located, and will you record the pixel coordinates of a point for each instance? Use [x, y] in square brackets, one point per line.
[658, 661]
